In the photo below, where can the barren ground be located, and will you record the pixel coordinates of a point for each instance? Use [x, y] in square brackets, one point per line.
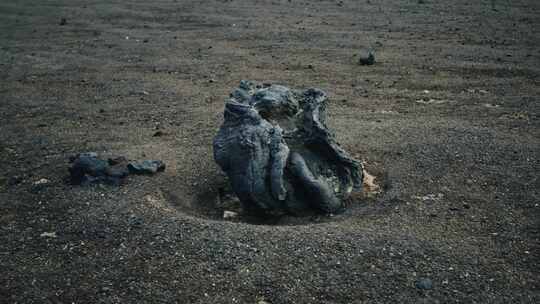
[448, 120]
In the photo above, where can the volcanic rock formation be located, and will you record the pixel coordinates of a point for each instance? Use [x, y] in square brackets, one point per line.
[278, 153]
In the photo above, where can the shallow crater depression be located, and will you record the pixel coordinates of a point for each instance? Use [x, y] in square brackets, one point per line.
[216, 201]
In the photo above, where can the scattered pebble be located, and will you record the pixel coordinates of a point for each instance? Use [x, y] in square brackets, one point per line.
[63, 21]
[42, 181]
[429, 197]
[367, 58]
[48, 234]
[135, 222]
[479, 91]
[159, 133]
[432, 101]
[39, 185]
[229, 214]
[424, 284]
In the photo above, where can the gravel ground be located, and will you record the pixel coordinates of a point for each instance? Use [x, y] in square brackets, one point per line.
[447, 120]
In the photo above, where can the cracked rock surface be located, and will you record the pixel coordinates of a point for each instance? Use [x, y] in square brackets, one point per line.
[278, 153]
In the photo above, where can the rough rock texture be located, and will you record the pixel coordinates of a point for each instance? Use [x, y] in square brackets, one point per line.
[88, 168]
[278, 153]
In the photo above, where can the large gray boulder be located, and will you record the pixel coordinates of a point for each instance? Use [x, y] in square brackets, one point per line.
[278, 153]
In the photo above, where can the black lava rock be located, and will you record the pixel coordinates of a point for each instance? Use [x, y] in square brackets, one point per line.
[278, 153]
[367, 58]
[88, 168]
[424, 284]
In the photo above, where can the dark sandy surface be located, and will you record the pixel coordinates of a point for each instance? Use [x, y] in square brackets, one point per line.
[448, 119]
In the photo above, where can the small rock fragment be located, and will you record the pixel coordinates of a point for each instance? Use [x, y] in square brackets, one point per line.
[135, 222]
[63, 21]
[229, 214]
[146, 167]
[42, 181]
[48, 234]
[424, 284]
[39, 185]
[159, 133]
[367, 58]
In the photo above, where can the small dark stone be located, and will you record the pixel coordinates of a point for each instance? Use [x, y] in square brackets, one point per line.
[424, 284]
[146, 167]
[367, 58]
[135, 222]
[159, 133]
[63, 21]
